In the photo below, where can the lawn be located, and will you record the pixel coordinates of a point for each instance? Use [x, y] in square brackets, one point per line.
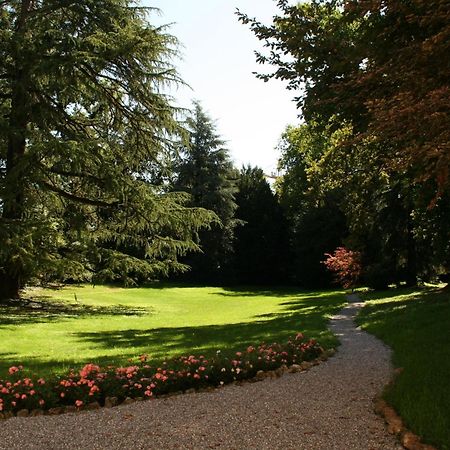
[58, 329]
[416, 325]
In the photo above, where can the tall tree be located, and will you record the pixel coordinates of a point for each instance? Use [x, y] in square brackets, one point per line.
[316, 219]
[83, 120]
[206, 173]
[261, 249]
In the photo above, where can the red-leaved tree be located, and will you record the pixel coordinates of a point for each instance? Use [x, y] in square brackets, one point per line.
[346, 265]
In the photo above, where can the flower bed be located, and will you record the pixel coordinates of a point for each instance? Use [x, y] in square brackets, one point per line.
[93, 385]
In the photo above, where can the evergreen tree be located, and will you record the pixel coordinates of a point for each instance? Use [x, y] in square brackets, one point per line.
[83, 122]
[206, 173]
[262, 253]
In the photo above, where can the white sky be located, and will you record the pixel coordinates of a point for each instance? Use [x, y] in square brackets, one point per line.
[218, 61]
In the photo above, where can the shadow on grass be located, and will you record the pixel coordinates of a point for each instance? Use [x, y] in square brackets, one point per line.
[309, 316]
[45, 309]
[419, 292]
[419, 303]
[304, 315]
[258, 291]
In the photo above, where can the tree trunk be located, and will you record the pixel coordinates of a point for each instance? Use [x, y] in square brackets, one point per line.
[13, 201]
[9, 287]
[411, 254]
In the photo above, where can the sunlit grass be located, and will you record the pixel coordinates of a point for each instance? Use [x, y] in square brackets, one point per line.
[66, 328]
[416, 325]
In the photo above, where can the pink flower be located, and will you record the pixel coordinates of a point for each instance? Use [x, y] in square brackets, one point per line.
[78, 403]
[93, 390]
[87, 369]
[41, 402]
[13, 370]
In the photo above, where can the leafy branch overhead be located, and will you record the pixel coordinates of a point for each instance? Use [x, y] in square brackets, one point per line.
[381, 66]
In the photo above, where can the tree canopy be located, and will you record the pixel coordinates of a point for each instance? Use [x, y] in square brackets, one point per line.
[380, 65]
[262, 253]
[84, 121]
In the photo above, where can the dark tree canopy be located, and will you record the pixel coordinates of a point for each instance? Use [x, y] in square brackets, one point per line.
[83, 123]
[317, 224]
[262, 253]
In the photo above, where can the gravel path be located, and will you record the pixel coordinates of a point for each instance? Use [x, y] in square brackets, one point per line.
[326, 408]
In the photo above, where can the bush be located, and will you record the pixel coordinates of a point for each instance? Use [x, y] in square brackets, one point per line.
[346, 265]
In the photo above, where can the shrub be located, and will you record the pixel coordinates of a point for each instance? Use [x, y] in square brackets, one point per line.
[346, 265]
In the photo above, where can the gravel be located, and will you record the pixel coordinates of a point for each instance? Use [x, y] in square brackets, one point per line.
[325, 408]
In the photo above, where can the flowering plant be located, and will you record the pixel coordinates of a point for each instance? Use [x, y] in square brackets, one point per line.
[94, 384]
[346, 266]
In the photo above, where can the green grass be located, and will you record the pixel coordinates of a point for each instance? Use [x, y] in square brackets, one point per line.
[416, 325]
[66, 328]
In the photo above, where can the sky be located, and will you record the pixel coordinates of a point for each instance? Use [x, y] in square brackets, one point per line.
[218, 61]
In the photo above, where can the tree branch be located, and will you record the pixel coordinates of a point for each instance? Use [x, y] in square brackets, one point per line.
[76, 198]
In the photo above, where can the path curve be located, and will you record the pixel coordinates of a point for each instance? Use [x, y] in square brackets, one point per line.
[328, 407]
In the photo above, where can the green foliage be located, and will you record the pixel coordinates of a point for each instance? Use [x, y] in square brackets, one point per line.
[316, 221]
[84, 124]
[414, 323]
[206, 173]
[380, 66]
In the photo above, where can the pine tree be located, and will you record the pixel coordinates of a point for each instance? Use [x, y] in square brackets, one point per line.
[83, 121]
[207, 174]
